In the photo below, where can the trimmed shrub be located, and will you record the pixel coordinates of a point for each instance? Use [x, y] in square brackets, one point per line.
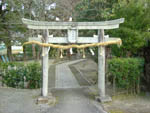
[125, 73]
[33, 75]
[18, 75]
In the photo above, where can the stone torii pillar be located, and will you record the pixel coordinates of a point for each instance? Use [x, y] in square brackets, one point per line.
[72, 38]
[45, 65]
[101, 69]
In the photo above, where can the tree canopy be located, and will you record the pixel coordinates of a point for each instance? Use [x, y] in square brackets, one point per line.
[135, 32]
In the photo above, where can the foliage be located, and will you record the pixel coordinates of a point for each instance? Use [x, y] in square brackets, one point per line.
[65, 9]
[33, 75]
[126, 72]
[94, 10]
[11, 27]
[18, 75]
[134, 32]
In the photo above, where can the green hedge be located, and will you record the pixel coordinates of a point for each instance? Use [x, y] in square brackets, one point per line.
[19, 75]
[126, 73]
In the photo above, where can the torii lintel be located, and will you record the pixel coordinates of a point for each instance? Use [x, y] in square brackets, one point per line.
[112, 24]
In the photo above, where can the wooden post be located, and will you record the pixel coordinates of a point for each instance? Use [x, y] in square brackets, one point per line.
[45, 66]
[101, 65]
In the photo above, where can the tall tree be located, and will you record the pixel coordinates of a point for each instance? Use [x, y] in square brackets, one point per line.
[10, 22]
[135, 30]
[94, 10]
[65, 9]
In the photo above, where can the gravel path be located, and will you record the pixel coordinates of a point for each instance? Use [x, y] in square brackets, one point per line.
[18, 101]
[71, 97]
[74, 100]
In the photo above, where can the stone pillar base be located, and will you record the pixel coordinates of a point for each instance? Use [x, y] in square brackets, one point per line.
[50, 100]
[103, 99]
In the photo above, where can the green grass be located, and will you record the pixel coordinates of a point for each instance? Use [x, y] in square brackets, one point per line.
[116, 111]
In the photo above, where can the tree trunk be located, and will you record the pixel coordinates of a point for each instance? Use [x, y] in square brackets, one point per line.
[38, 55]
[24, 53]
[33, 51]
[9, 50]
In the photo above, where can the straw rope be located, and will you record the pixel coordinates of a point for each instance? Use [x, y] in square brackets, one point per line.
[119, 42]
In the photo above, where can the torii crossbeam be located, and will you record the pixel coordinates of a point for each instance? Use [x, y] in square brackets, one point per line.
[73, 38]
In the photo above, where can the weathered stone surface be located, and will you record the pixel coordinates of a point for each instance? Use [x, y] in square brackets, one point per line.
[0, 81]
[50, 100]
[31, 24]
[103, 99]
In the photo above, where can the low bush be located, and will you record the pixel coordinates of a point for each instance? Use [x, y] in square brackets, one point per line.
[126, 73]
[18, 75]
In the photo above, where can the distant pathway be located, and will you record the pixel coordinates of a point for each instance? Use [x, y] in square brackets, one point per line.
[64, 76]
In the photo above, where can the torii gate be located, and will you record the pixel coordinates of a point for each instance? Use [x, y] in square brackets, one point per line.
[72, 38]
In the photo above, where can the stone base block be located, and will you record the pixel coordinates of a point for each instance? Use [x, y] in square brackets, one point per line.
[103, 99]
[46, 100]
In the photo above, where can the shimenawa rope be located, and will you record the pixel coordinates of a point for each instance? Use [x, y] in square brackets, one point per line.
[119, 42]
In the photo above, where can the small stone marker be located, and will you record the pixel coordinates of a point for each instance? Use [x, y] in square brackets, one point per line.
[50, 100]
[103, 99]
